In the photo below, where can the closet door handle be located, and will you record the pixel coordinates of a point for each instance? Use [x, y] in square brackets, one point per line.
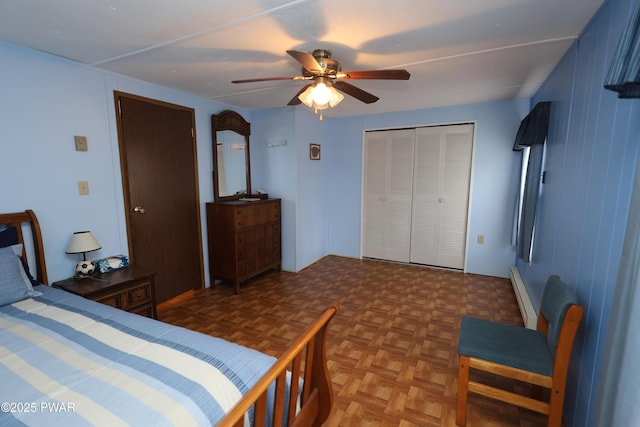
[441, 200]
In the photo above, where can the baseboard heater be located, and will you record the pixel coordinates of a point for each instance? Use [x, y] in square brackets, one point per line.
[529, 316]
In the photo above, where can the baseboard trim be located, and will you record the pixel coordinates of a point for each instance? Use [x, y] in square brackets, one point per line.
[529, 316]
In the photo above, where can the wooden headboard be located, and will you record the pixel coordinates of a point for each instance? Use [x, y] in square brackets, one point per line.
[18, 219]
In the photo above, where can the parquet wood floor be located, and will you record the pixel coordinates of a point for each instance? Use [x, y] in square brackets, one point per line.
[392, 347]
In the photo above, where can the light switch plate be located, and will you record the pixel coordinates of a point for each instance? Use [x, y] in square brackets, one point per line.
[83, 188]
[81, 143]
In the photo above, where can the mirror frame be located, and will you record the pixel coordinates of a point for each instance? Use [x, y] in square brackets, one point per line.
[230, 120]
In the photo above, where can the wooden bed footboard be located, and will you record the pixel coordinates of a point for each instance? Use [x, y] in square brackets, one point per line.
[307, 357]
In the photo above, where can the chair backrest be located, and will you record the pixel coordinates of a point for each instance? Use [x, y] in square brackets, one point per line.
[556, 299]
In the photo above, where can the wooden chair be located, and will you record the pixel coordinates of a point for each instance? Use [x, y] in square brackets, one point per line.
[538, 357]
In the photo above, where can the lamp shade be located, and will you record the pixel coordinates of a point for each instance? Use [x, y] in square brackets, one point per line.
[82, 241]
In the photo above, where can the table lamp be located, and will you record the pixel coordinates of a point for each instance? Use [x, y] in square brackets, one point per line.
[83, 242]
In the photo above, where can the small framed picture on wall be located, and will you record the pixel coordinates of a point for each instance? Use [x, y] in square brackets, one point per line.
[314, 151]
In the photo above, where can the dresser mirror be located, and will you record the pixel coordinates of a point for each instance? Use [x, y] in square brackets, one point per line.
[231, 170]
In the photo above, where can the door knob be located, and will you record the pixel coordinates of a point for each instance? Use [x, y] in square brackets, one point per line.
[138, 209]
[441, 200]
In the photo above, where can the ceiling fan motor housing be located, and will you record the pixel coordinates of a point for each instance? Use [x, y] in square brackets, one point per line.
[330, 67]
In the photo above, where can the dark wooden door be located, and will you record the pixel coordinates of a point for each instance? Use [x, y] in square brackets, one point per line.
[159, 172]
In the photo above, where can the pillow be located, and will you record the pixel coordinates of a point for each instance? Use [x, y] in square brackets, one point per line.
[14, 283]
[9, 237]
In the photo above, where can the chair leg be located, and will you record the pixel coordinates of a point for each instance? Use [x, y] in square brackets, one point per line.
[463, 389]
[556, 404]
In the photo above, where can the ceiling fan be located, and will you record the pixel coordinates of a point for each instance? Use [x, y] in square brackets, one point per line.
[326, 74]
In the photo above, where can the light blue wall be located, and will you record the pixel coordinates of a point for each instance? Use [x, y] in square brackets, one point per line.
[275, 168]
[592, 153]
[494, 178]
[44, 102]
[47, 100]
[313, 194]
[286, 171]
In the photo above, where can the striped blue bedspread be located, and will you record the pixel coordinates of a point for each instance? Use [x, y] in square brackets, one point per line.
[69, 361]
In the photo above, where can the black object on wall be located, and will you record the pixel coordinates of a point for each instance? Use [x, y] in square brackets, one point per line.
[533, 128]
[624, 73]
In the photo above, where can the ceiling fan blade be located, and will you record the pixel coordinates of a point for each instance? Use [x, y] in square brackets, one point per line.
[295, 100]
[307, 60]
[266, 79]
[356, 92]
[376, 74]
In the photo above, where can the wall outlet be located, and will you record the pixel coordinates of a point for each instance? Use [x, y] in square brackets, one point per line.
[81, 143]
[83, 188]
[481, 239]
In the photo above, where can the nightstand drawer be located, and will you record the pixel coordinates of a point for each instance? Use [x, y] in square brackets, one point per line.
[138, 295]
[145, 310]
[112, 300]
[130, 288]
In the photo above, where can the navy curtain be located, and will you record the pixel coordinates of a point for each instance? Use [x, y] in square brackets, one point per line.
[533, 128]
[532, 133]
[624, 73]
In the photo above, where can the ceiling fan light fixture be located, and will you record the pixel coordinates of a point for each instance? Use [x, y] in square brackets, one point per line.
[321, 95]
[307, 97]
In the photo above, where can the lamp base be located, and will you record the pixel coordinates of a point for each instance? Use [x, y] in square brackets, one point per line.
[85, 269]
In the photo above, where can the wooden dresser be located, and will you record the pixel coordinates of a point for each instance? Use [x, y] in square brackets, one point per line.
[244, 239]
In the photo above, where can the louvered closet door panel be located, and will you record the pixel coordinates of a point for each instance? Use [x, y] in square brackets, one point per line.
[441, 191]
[388, 193]
[455, 192]
[375, 190]
[426, 191]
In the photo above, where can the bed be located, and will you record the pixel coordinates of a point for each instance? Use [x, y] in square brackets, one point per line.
[65, 360]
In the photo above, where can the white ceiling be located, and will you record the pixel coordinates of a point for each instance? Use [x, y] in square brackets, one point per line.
[457, 51]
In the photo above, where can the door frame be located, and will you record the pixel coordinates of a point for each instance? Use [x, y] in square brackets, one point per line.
[125, 178]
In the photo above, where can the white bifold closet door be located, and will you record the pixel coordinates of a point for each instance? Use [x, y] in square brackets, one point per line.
[388, 176]
[442, 169]
[416, 191]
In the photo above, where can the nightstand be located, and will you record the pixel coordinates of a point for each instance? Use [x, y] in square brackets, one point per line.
[130, 288]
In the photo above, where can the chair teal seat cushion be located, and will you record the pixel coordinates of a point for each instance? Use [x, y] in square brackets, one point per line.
[505, 344]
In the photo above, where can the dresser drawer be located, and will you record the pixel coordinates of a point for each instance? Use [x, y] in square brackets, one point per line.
[257, 214]
[247, 267]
